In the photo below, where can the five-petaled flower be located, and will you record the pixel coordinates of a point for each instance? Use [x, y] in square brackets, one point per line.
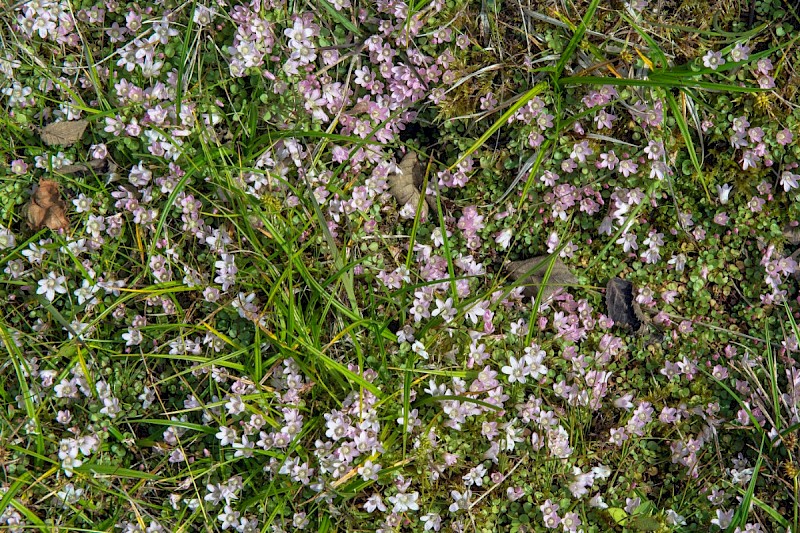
[51, 285]
[713, 60]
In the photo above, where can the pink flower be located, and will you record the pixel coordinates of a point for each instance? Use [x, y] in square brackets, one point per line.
[19, 167]
[604, 120]
[764, 66]
[784, 137]
[627, 167]
[719, 372]
[581, 151]
[766, 82]
[608, 160]
[740, 52]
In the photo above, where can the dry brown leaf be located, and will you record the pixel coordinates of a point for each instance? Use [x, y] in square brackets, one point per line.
[63, 133]
[94, 165]
[560, 276]
[792, 234]
[622, 307]
[405, 185]
[46, 207]
[360, 107]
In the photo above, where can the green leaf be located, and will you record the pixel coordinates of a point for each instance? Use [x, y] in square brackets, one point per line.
[343, 370]
[740, 516]
[341, 19]
[116, 471]
[619, 515]
[176, 423]
[538, 88]
[431, 399]
[566, 55]
[13, 489]
[645, 523]
[657, 80]
[684, 127]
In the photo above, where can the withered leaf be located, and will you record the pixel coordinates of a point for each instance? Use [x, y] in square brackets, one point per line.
[63, 133]
[405, 184]
[792, 234]
[95, 165]
[360, 107]
[621, 306]
[46, 207]
[560, 276]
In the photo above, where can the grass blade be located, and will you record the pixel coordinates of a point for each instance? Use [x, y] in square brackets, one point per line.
[566, 55]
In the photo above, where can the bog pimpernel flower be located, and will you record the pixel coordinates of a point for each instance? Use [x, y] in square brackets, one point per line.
[713, 60]
[51, 285]
[236, 259]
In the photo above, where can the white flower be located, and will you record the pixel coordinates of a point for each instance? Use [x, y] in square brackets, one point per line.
[581, 151]
[628, 242]
[713, 60]
[432, 521]
[460, 501]
[214, 494]
[475, 476]
[203, 16]
[534, 358]
[601, 471]
[374, 502]
[369, 471]
[148, 396]
[503, 239]
[723, 519]
[68, 448]
[7, 239]
[445, 308]
[476, 311]
[85, 293]
[235, 405]
[516, 369]
[82, 203]
[229, 517]
[133, 337]
[243, 448]
[674, 519]
[110, 407]
[419, 349]
[679, 260]
[658, 170]
[597, 502]
[69, 464]
[724, 192]
[51, 285]
[69, 495]
[66, 389]
[226, 435]
[789, 180]
[404, 502]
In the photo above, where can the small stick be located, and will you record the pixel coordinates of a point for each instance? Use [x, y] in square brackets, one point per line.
[482, 496]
